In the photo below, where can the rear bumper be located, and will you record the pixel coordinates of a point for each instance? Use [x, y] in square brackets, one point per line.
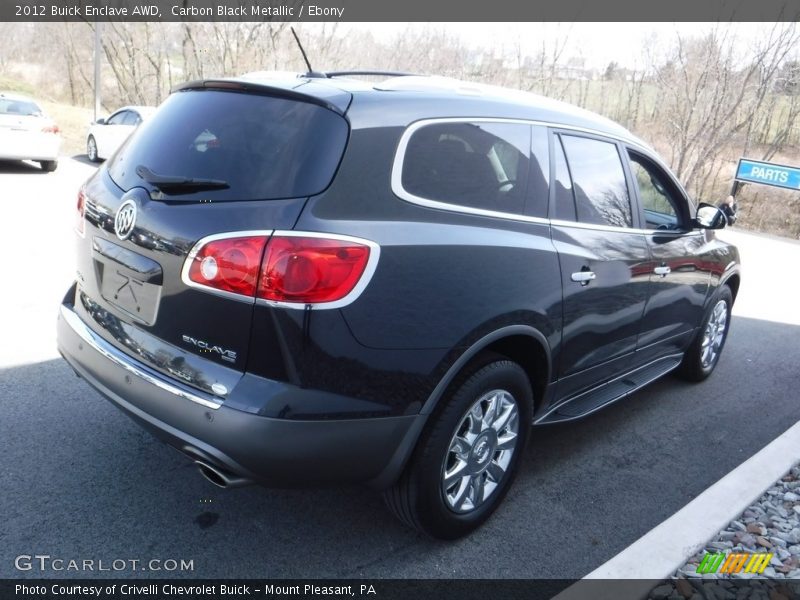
[30, 146]
[274, 452]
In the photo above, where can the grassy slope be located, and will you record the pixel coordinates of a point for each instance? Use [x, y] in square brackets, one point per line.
[74, 122]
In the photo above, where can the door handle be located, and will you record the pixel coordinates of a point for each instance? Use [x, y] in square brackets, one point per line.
[663, 270]
[583, 277]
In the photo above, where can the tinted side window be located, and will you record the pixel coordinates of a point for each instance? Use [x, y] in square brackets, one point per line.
[565, 200]
[655, 193]
[477, 165]
[601, 193]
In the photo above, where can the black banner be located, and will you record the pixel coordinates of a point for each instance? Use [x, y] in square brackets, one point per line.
[407, 10]
[396, 589]
[285, 588]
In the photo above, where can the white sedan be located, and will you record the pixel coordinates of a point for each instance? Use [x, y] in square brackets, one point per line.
[26, 133]
[106, 135]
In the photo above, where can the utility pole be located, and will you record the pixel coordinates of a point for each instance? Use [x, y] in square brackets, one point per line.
[97, 25]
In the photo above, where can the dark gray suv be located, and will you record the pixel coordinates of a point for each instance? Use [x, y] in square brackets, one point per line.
[317, 280]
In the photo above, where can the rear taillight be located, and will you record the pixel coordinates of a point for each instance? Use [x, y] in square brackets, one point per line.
[229, 264]
[309, 270]
[81, 221]
[287, 267]
[51, 129]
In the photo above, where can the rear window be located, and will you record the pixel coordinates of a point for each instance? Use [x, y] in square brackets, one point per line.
[19, 107]
[263, 147]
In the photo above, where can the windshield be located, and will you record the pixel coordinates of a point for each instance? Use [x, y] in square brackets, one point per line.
[261, 147]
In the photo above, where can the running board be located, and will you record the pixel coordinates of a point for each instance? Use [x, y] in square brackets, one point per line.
[588, 402]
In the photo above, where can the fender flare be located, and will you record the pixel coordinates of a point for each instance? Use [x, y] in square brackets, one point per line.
[397, 463]
[473, 350]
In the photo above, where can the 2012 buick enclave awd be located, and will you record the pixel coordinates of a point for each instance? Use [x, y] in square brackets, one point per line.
[320, 280]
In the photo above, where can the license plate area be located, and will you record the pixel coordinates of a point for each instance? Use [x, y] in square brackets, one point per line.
[134, 297]
[128, 281]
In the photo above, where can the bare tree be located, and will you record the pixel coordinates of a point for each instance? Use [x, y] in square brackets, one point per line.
[708, 100]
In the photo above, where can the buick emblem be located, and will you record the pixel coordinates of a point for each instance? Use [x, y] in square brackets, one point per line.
[125, 219]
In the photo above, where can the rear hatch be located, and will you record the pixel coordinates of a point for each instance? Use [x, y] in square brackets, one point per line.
[216, 161]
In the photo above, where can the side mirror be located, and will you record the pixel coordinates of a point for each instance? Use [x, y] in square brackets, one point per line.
[710, 217]
[101, 121]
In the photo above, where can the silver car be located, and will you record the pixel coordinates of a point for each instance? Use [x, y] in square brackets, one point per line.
[26, 133]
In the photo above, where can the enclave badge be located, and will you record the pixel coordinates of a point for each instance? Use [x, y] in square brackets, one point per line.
[203, 346]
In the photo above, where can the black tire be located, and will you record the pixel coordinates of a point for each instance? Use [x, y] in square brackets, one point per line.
[420, 498]
[697, 364]
[49, 165]
[91, 149]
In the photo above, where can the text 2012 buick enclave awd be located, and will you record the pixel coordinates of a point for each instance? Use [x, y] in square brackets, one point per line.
[321, 280]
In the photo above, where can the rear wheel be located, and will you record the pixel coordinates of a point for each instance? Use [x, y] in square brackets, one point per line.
[91, 149]
[48, 165]
[466, 460]
[703, 355]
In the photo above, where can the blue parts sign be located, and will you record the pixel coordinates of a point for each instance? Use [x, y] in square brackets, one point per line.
[754, 171]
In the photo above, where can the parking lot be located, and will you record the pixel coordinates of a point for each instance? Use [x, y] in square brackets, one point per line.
[81, 481]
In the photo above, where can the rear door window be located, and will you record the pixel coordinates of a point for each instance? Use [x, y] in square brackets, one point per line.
[262, 147]
[565, 199]
[482, 165]
[598, 178]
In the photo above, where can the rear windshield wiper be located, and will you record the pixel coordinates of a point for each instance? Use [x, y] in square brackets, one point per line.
[176, 182]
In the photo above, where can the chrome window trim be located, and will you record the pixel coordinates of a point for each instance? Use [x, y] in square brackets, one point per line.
[366, 276]
[212, 238]
[611, 228]
[122, 360]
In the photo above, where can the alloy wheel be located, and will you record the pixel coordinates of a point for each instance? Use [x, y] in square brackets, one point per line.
[714, 334]
[480, 451]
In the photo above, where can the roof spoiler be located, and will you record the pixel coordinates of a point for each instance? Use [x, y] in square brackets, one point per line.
[263, 88]
[379, 73]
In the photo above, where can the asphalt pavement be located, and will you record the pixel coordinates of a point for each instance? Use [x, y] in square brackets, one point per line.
[80, 481]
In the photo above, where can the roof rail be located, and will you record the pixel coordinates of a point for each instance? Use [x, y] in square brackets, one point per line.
[381, 73]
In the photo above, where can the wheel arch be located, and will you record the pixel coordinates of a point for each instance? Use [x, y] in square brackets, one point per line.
[733, 282]
[521, 343]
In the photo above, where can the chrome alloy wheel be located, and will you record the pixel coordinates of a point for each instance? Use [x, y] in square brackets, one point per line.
[480, 451]
[714, 334]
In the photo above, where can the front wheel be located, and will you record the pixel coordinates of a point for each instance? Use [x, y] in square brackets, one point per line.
[466, 460]
[48, 165]
[703, 354]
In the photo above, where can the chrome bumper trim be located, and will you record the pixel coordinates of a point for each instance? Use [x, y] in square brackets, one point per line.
[127, 363]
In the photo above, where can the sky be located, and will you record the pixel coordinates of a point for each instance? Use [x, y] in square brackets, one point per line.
[598, 43]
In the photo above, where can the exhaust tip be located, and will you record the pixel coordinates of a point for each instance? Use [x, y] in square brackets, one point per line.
[219, 477]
